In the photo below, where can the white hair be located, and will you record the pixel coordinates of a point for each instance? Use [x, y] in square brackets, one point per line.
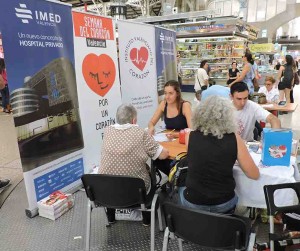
[215, 115]
[125, 114]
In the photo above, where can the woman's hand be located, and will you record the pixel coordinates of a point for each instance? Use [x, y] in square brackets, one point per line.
[172, 135]
[151, 130]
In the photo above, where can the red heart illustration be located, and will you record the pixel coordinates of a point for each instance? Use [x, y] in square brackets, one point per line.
[99, 73]
[139, 57]
[282, 147]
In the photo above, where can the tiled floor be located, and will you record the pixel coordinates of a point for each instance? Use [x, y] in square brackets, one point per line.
[17, 232]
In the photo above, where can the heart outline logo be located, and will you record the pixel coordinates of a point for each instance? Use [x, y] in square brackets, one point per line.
[139, 57]
[99, 73]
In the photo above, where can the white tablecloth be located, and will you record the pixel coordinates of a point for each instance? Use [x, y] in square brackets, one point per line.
[250, 192]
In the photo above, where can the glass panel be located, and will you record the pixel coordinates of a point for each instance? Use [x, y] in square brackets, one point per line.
[261, 10]
[271, 9]
[279, 32]
[251, 16]
[236, 7]
[281, 6]
[227, 8]
[296, 29]
[219, 8]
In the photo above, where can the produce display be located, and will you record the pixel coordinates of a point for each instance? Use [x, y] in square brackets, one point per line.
[220, 53]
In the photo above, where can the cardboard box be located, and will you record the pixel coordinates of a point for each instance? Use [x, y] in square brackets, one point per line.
[276, 147]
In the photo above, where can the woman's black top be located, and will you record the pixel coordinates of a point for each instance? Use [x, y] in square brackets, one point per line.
[232, 74]
[210, 160]
[178, 123]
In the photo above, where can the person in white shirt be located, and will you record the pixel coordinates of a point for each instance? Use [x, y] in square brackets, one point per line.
[249, 112]
[201, 76]
[271, 92]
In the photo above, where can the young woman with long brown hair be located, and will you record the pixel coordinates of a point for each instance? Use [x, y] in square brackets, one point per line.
[176, 111]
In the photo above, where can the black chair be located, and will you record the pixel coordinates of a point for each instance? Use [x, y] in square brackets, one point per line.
[119, 192]
[207, 229]
[272, 210]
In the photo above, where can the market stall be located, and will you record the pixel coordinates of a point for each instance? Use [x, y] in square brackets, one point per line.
[221, 42]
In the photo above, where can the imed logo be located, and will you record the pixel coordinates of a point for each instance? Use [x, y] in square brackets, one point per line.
[23, 13]
[41, 17]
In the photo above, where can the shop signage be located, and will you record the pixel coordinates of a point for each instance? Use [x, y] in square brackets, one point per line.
[252, 31]
[200, 29]
[269, 47]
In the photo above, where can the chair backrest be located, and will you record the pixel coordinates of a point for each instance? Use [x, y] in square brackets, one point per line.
[207, 229]
[269, 196]
[113, 190]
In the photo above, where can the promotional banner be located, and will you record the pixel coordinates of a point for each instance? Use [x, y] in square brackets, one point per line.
[138, 68]
[165, 41]
[38, 45]
[97, 80]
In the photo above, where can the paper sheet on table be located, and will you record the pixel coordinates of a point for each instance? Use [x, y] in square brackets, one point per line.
[267, 105]
[157, 130]
[160, 137]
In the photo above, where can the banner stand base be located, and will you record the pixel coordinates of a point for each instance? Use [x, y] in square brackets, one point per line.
[31, 213]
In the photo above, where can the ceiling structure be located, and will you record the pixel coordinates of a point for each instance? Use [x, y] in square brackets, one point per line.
[134, 8]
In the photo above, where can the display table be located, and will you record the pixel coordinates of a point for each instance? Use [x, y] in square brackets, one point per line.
[251, 193]
[174, 148]
[291, 107]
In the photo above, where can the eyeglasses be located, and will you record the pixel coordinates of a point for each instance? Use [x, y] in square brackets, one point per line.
[268, 84]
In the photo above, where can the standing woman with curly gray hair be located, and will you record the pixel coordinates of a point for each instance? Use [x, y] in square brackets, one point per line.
[213, 148]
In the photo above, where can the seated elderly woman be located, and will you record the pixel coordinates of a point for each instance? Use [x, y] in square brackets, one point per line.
[213, 148]
[271, 92]
[125, 142]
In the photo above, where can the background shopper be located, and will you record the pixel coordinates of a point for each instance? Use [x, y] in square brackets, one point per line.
[233, 73]
[286, 78]
[5, 90]
[247, 75]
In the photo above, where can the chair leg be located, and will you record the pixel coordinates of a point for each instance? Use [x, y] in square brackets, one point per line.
[166, 239]
[180, 244]
[160, 222]
[152, 242]
[271, 220]
[88, 226]
[153, 206]
[251, 241]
